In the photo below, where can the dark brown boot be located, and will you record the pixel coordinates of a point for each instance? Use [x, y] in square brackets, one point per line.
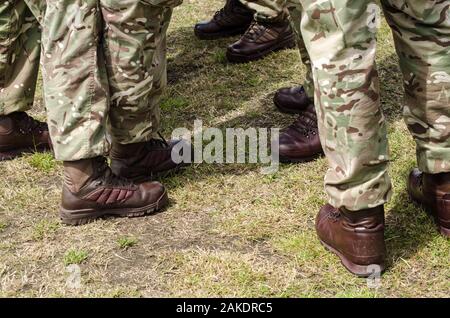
[300, 141]
[356, 237]
[148, 160]
[20, 133]
[233, 19]
[260, 40]
[291, 100]
[92, 191]
[432, 192]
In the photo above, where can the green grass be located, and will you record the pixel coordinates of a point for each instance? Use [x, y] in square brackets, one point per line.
[176, 102]
[126, 242]
[229, 230]
[3, 226]
[45, 229]
[75, 257]
[43, 162]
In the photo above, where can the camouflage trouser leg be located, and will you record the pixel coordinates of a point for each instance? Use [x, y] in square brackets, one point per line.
[104, 66]
[19, 56]
[295, 13]
[341, 38]
[422, 36]
[267, 10]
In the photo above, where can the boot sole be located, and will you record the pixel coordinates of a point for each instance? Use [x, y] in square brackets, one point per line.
[220, 35]
[81, 217]
[287, 43]
[16, 153]
[301, 160]
[429, 210]
[356, 269]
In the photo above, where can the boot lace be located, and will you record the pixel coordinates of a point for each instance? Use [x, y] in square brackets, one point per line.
[334, 215]
[223, 15]
[27, 124]
[158, 142]
[107, 178]
[305, 124]
[219, 15]
[255, 31]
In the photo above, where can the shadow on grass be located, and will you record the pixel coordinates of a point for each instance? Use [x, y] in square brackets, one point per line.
[408, 228]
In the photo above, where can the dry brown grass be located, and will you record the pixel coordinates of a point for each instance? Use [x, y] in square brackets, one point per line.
[229, 231]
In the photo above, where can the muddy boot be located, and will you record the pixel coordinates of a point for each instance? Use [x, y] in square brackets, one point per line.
[357, 238]
[260, 40]
[92, 191]
[432, 192]
[233, 19]
[148, 160]
[20, 133]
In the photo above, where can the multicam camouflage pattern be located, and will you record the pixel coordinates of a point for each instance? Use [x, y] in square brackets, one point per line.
[104, 69]
[295, 14]
[267, 10]
[422, 37]
[341, 38]
[19, 56]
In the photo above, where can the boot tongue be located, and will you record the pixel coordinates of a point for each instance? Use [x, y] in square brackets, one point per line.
[362, 217]
[78, 173]
[255, 30]
[306, 120]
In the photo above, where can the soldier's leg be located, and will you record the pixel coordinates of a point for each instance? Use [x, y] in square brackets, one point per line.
[19, 56]
[137, 78]
[76, 89]
[341, 39]
[299, 142]
[342, 44]
[421, 33]
[293, 100]
[267, 10]
[270, 32]
[295, 13]
[77, 94]
[234, 18]
[137, 75]
[19, 63]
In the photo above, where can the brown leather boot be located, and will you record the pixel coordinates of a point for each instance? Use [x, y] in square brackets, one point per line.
[20, 133]
[260, 40]
[432, 192]
[92, 191]
[300, 141]
[356, 237]
[233, 19]
[147, 160]
[291, 100]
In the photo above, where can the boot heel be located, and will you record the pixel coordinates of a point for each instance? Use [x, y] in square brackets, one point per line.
[356, 269]
[443, 222]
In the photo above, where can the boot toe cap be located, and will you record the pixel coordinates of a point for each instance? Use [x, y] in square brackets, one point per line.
[152, 192]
